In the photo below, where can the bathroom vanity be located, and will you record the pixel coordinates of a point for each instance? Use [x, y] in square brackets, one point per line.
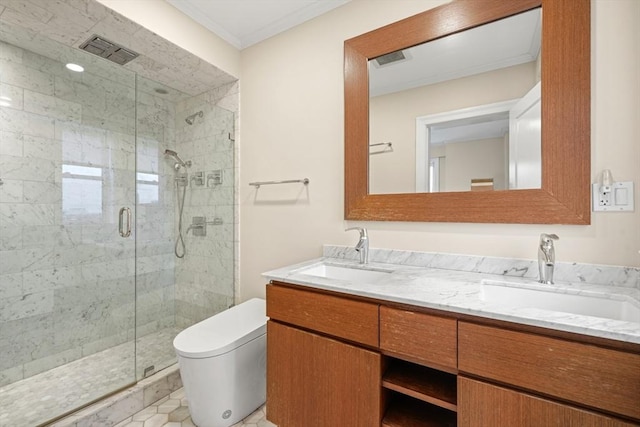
[419, 347]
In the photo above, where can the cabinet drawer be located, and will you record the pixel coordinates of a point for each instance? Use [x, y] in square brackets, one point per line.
[486, 405]
[355, 321]
[418, 337]
[582, 373]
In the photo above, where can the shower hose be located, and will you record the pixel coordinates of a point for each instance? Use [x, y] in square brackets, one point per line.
[179, 249]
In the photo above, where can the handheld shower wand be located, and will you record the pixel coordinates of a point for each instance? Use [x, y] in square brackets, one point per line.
[181, 181]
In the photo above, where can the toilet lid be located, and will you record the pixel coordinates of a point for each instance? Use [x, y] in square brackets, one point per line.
[223, 332]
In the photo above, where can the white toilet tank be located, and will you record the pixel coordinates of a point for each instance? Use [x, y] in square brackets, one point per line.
[223, 364]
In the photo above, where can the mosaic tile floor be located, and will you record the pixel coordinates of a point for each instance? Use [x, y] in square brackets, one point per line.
[37, 399]
[172, 411]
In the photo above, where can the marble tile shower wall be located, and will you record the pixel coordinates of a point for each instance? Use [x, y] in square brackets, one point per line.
[155, 219]
[205, 276]
[67, 279]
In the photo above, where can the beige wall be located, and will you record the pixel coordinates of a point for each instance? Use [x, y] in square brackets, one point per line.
[166, 21]
[475, 159]
[292, 127]
[393, 118]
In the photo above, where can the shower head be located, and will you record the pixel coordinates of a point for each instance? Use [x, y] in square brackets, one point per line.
[179, 162]
[192, 117]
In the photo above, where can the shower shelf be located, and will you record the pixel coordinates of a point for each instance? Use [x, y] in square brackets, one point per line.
[304, 181]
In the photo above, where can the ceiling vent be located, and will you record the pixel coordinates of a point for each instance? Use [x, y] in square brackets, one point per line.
[390, 58]
[106, 49]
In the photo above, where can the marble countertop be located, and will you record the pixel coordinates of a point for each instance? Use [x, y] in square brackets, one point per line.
[462, 292]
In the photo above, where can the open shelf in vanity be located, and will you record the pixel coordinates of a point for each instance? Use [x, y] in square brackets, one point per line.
[422, 383]
[405, 411]
[418, 396]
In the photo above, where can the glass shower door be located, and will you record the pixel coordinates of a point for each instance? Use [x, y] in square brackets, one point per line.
[185, 173]
[155, 224]
[67, 275]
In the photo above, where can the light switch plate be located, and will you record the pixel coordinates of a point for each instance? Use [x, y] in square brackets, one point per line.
[619, 199]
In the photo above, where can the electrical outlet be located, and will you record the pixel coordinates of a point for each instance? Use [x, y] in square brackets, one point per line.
[599, 198]
[617, 198]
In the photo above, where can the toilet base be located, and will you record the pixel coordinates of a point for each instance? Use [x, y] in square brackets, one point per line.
[224, 389]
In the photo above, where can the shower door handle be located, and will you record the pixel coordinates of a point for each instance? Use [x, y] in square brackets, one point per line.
[121, 227]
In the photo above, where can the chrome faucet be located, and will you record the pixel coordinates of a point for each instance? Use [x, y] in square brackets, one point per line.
[362, 247]
[546, 258]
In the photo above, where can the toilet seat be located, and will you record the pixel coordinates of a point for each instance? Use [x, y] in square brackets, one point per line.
[223, 332]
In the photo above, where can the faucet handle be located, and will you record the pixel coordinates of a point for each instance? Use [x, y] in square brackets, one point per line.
[547, 239]
[363, 231]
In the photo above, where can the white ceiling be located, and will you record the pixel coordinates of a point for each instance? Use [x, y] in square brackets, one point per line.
[243, 23]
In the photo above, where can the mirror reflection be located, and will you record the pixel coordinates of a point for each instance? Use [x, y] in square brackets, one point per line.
[461, 113]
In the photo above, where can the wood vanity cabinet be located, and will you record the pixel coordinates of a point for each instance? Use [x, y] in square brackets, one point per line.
[336, 361]
[314, 380]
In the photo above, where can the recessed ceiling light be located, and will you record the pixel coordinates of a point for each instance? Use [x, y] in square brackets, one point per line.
[75, 67]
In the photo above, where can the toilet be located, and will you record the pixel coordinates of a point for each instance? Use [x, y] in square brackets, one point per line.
[223, 364]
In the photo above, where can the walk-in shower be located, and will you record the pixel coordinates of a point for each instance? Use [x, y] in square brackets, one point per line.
[84, 311]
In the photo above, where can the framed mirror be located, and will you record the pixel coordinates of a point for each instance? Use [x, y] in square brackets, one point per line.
[563, 67]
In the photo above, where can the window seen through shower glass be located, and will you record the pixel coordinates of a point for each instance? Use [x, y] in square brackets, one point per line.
[81, 192]
[147, 188]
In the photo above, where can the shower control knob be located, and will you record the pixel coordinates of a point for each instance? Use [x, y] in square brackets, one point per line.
[214, 178]
[197, 178]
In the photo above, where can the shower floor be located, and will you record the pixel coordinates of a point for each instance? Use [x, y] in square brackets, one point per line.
[37, 399]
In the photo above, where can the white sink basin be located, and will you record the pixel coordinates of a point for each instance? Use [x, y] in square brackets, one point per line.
[358, 275]
[591, 304]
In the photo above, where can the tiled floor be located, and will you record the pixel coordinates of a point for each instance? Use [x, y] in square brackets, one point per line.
[172, 411]
[37, 399]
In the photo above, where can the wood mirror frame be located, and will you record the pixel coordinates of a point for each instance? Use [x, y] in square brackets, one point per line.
[566, 81]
